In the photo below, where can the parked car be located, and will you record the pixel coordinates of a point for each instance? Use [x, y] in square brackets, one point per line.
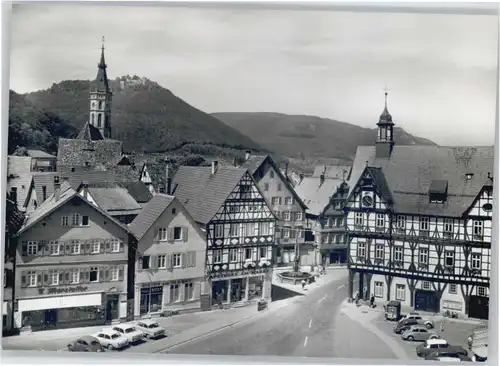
[85, 344]
[416, 316]
[150, 328]
[402, 326]
[418, 332]
[111, 339]
[447, 356]
[129, 331]
[437, 346]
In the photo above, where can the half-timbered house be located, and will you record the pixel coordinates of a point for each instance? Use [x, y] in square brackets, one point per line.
[239, 227]
[419, 224]
[286, 205]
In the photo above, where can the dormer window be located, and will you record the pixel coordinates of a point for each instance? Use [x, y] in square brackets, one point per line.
[438, 191]
[469, 176]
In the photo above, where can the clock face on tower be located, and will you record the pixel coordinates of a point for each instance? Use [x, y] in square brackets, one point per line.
[367, 201]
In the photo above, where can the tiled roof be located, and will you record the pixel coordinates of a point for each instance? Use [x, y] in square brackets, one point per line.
[114, 199]
[51, 204]
[332, 171]
[253, 163]
[15, 218]
[203, 193]
[410, 170]
[149, 214]
[315, 194]
[138, 190]
[73, 152]
[90, 133]
[39, 154]
[18, 164]
[23, 183]
[41, 179]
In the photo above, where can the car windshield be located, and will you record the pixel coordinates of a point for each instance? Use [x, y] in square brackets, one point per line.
[154, 325]
[114, 336]
[130, 330]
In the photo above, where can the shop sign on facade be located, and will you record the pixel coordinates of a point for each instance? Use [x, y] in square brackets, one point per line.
[64, 290]
[244, 272]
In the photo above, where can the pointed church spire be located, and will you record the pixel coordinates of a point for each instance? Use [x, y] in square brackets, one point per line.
[102, 63]
[101, 81]
[385, 137]
[385, 117]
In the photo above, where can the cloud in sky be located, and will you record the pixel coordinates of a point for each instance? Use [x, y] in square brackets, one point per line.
[440, 69]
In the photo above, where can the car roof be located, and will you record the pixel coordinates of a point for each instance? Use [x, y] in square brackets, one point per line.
[88, 338]
[124, 325]
[108, 331]
[437, 341]
[147, 321]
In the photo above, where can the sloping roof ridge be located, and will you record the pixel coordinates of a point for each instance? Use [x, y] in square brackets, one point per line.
[151, 201]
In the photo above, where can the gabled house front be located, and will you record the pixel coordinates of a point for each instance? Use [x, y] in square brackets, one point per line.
[72, 265]
[170, 258]
[239, 226]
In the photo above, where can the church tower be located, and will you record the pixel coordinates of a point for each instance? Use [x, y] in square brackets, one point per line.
[385, 139]
[100, 99]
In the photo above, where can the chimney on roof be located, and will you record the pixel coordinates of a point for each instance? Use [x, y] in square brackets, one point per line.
[321, 179]
[57, 188]
[168, 179]
[248, 153]
[85, 186]
[286, 170]
[215, 166]
[234, 161]
[301, 177]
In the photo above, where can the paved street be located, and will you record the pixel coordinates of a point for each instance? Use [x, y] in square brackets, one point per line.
[310, 326]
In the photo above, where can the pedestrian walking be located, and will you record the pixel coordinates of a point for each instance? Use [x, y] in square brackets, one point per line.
[372, 301]
[303, 284]
[441, 327]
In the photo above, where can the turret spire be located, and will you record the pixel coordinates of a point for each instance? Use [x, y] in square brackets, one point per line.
[385, 138]
[102, 63]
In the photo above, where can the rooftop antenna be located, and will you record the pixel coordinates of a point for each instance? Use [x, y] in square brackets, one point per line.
[103, 39]
[385, 94]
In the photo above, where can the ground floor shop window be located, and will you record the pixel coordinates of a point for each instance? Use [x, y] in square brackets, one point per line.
[255, 287]
[151, 299]
[51, 318]
[379, 289]
[80, 314]
[219, 291]
[238, 286]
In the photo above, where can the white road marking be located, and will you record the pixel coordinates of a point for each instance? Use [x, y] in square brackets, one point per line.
[323, 298]
[341, 286]
[305, 342]
[310, 323]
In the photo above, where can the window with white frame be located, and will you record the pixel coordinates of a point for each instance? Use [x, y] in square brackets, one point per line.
[298, 216]
[177, 233]
[74, 246]
[379, 251]
[53, 278]
[32, 247]
[337, 239]
[234, 230]
[286, 216]
[31, 278]
[217, 256]
[380, 221]
[358, 218]
[276, 200]
[361, 249]
[115, 273]
[478, 228]
[278, 187]
[379, 289]
[452, 289]
[54, 247]
[424, 224]
[448, 226]
[288, 200]
[64, 221]
[266, 187]
[449, 258]
[481, 291]
[340, 222]
[423, 256]
[96, 246]
[426, 285]
[398, 253]
[162, 261]
[264, 228]
[162, 233]
[248, 253]
[286, 233]
[188, 291]
[271, 174]
[174, 293]
[177, 260]
[263, 252]
[75, 219]
[475, 261]
[94, 274]
[115, 245]
[233, 255]
[401, 222]
[219, 231]
[400, 292]
[74, 276]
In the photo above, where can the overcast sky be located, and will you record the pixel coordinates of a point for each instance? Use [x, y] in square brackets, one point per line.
[440, 69]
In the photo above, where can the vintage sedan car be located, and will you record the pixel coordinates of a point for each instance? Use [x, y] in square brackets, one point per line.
[85, 344]
[404, 325]
[418, 332]
[421, 320]
[150, 328]
[129, 331]
[448, 356]
[431, 345]
[111, 339]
